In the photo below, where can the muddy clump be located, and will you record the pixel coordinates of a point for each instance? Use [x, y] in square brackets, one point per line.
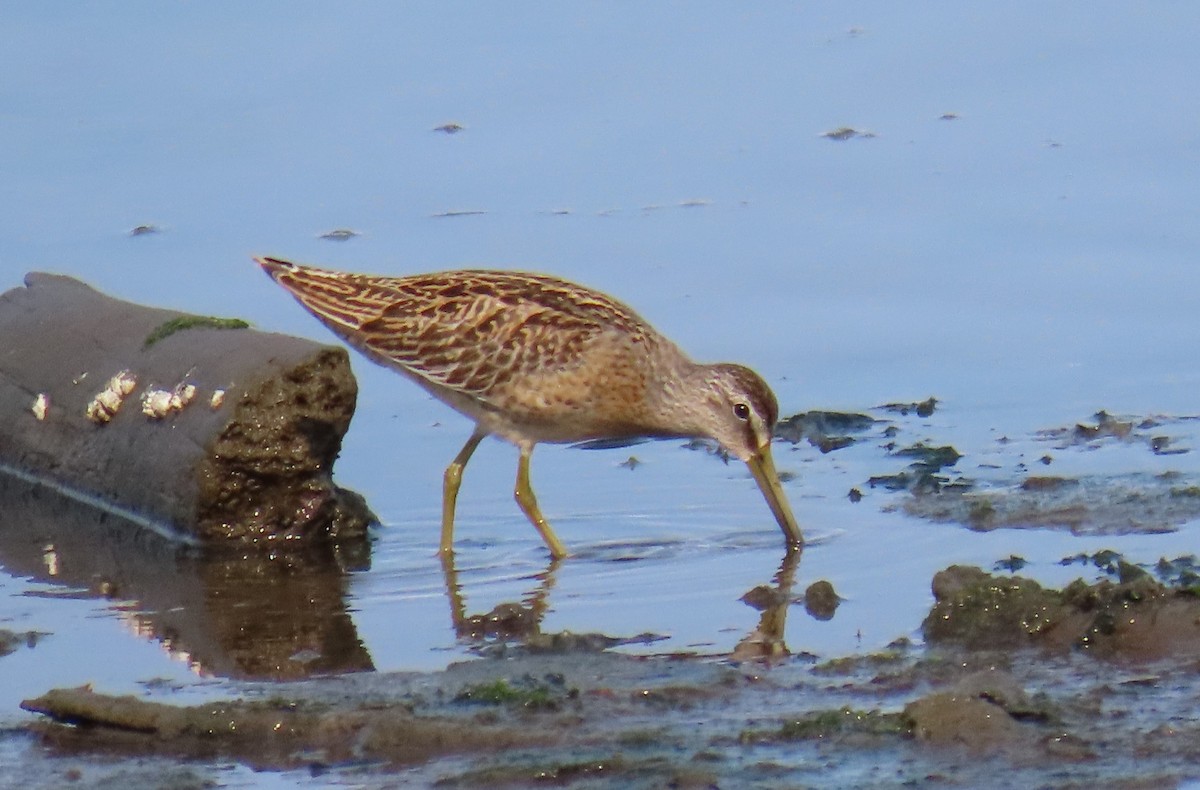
[924, 473]
[821, 600]
[923, 408]
[272, 735]
[825, 430]
[1149, 431]
[1138, 619]
[1098, 504]
[12, 641]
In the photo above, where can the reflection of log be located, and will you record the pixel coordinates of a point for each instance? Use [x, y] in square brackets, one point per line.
[232, 614]
[248, 460]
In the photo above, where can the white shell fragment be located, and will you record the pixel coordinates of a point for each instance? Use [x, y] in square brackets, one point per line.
[183, 396]
[218, 398]
[158, 403]
[97, 413]
[108, 400]
[124, 382]
[41, 405]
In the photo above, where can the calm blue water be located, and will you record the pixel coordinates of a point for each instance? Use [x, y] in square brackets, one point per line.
[1028, 261]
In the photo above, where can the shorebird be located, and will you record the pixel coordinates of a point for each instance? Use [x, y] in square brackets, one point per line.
[532, 358]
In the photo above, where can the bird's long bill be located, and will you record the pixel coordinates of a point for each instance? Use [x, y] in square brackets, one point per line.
[763, 469]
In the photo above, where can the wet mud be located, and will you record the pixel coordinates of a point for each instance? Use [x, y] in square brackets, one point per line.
[1083, 506]
[942, 489]
[1046, 686]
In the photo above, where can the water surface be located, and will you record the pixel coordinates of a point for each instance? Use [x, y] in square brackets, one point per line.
[1014, 233]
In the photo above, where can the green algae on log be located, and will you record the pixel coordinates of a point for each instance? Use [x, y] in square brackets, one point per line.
[173, 325]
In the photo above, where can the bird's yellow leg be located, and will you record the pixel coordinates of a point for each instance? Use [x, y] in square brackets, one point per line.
[528, 502]
[450, 484]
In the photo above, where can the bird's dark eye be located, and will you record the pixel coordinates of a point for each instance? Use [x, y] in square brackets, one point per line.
[741, 411]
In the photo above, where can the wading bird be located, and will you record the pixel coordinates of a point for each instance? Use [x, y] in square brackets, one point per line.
[532, 358]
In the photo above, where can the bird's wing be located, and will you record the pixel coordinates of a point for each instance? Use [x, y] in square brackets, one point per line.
[471, 331]
[475, 331]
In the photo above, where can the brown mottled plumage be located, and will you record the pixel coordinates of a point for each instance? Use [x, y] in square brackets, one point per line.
[531, 359]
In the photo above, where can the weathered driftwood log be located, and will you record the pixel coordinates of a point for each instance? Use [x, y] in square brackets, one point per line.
[199, 428]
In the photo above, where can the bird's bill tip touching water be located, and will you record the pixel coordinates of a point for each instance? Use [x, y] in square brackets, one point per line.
[763, 468]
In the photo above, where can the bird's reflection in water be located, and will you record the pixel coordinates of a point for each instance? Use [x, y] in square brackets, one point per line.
[766, 641]
[506, 621]
[521, 622]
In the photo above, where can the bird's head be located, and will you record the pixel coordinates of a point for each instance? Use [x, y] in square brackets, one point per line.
[740, 412]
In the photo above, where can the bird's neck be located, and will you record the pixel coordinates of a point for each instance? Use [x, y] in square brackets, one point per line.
[678, 404]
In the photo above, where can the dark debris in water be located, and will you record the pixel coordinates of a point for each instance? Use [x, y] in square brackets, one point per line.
[12, 641]
[1087, 506]
[929, 457]
[1105, 560]
[821, 600]
[1181, 573]
[829, 431]
[923, 408]
[1098, 504]
[941, 491]
[340, 234]
[708, 446]
[847, 133]
[468, 212]
[1011, 563]
[923, 476]
[825, 430]
[835, 430]
[1107, 427]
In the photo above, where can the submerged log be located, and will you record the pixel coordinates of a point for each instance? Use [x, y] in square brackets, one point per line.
[201, 429]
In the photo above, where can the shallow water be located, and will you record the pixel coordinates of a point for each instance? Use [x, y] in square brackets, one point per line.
[1028, 262]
